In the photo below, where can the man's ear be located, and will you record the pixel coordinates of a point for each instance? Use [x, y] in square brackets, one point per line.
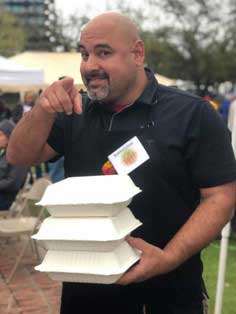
[139, 52]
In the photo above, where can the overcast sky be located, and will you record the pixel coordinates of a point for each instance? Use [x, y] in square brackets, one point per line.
[90, 7]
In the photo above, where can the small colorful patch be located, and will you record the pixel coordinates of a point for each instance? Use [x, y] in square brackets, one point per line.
[108, 168]
[128, 157]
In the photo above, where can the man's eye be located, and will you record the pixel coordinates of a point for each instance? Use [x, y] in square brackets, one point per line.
[84, 55]
[104, 53]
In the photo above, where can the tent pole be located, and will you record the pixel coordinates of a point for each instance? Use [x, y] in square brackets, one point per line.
[221, 270]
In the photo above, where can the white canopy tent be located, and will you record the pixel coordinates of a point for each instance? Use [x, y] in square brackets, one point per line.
[54, 64]
[165, 80]
[57, 64]
[15, 76]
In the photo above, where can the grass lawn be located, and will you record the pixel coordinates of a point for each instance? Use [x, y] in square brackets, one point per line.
[210, 259]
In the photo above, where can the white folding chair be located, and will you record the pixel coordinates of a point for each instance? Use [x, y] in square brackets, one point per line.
[17, 204]
[24, 223]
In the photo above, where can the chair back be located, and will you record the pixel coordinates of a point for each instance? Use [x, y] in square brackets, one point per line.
[21, 204]
[37, 190]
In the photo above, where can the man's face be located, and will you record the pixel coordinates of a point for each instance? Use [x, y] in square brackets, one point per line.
[3, 140]
[108, 67]
[29, 99]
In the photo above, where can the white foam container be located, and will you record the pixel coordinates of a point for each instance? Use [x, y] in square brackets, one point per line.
[90, 267]
[87, 233]
[89, 196]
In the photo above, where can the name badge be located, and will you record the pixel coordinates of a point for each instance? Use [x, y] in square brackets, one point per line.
[129, 156]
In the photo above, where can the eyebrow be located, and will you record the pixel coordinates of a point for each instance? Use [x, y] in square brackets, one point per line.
[96, 47]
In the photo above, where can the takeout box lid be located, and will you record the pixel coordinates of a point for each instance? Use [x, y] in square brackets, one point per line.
[90, 190]
[96, 263]
[88, 229]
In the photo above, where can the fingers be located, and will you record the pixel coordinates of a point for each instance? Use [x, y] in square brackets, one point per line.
[128, 277]
[146, 266]
[76, 100]
[54, 102]
[46, 105]
[135, 274]
[64, 99]
[61, 96]
[67, 83]
[137, 243]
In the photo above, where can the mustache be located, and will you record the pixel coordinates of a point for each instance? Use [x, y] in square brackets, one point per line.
[95, 75]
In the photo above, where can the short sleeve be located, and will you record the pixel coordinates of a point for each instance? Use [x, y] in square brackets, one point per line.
[210, 156]
[56, 136]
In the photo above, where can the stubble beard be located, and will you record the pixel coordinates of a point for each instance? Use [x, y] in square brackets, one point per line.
[98, 94]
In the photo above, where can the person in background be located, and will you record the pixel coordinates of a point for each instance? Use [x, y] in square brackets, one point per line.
[225, 108]
[231, 113]
[11, 177]
[30, 98]
[212, 102]
[232, 127]
[187, 183]
[56, 170]
[5, 112]
[29, 101]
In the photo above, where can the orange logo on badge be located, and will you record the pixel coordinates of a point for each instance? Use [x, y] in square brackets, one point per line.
[128, 157]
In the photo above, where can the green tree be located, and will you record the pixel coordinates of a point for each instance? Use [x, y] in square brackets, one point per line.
[12, 35]
[201, 38]
[66, 33]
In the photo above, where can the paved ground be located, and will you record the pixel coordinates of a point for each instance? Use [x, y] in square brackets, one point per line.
[29, 292]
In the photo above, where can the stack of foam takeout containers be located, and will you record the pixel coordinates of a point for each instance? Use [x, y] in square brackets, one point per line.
[85, 235]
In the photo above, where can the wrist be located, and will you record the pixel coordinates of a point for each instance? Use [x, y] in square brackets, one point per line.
[41, 113]
[172, 259]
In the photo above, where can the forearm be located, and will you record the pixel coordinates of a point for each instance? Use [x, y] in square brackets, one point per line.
[29, 137]
[203, 226]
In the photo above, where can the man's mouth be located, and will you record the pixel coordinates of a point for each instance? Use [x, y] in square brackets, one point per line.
[95, 82]
[94, 79]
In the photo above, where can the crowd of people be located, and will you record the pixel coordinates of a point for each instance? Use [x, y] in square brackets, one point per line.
[12, 177]
[225, 105]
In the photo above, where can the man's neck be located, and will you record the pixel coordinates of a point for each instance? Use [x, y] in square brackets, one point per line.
[135, 93]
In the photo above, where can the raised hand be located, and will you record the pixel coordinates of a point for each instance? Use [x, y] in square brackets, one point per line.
[61, 96]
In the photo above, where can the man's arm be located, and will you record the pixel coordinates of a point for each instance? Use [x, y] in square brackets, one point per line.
[27, 144]
[202, 227]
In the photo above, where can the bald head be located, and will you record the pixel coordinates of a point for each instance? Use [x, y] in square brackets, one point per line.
[115, 23]
[112, 65]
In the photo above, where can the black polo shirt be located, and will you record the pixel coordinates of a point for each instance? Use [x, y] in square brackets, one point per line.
[189, 148]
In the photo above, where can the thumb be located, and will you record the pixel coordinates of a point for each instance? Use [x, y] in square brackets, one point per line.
[68, 83]
[136, 243]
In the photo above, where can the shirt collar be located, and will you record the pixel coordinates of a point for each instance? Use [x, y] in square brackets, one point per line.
[148, 96]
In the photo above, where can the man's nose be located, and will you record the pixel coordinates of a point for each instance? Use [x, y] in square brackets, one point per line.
[92, 64]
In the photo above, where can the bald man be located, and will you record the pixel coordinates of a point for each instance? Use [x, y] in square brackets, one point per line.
[189, 159]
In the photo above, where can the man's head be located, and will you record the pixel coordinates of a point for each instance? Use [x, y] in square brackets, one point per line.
[112, 64]
[6, 127]
[30, 98]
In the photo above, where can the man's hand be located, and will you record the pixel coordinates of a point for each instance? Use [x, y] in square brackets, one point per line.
[208, 219]
[61, 96]
[154, 261]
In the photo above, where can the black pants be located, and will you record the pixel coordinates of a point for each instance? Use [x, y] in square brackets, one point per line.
[115, 299]
[6, 201]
